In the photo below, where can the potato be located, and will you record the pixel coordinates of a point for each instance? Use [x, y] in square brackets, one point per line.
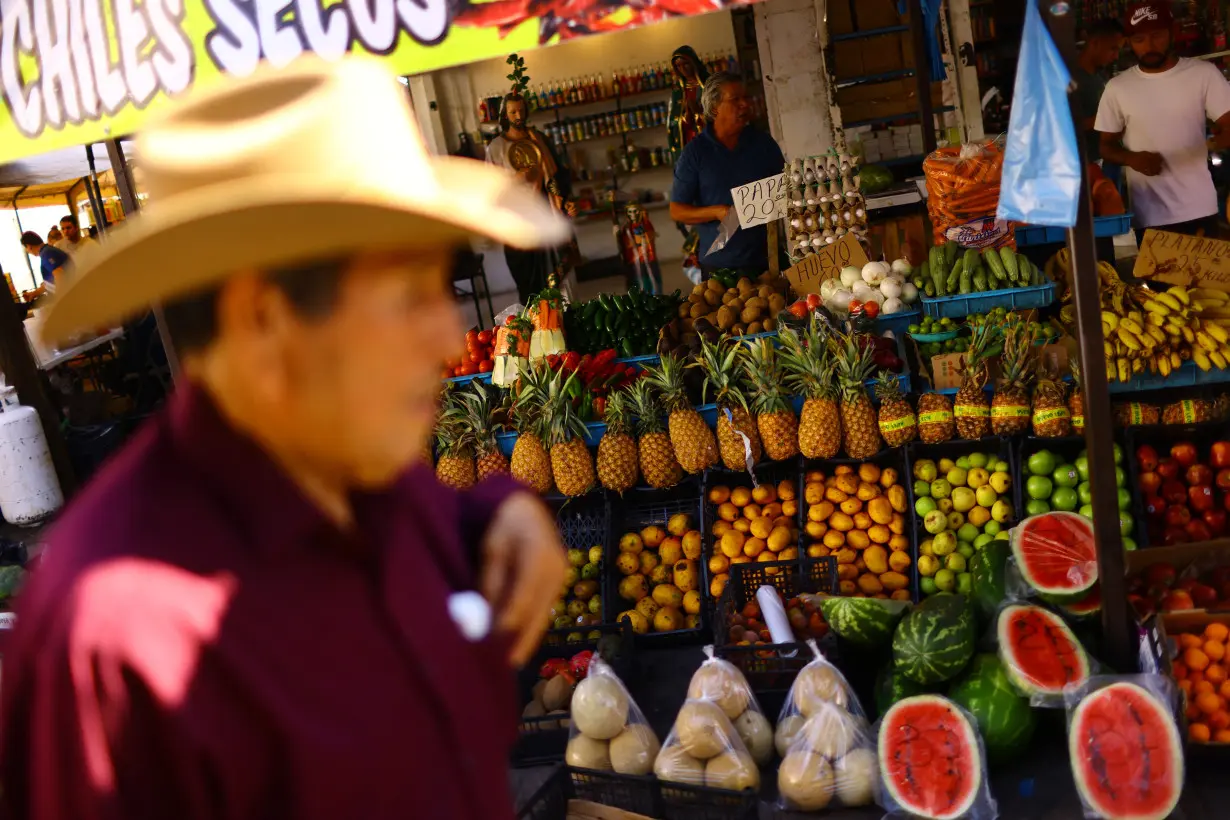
[770, 325]
[698, 290]
[557, 694]
[777, 303]
[737, 305]
[749, 315]
[738, 329]
[716, 286]
[755, 327]
[533, 709]
[745, 285]
[765, 291]
[684, 309]
[698, 311]
[725, 318]
[712, 297]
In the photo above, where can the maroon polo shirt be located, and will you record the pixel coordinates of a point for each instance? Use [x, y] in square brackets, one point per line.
[200, 643]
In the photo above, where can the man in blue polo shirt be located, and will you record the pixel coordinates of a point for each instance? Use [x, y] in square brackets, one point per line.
[727, 154]
[52, 261]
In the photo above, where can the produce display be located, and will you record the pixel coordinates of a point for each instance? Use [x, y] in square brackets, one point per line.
[747, 626]
[857, 515]
[1200, 670]
[876, 289]
[1040, 653]
[608, 731]
[823, 202]
[1186, 492]
[580, 601]
[963, 505]
[1051, 483]
[751, 525]
[1005, 719]
[721, 683]
[1056, 555]
[704, 748]
[660, 576]
[597, 377]
[629, 323]
[951, 270]
[935, 641]
[1160, 587]
[930, 763]
[1124, 734]
[735, 306]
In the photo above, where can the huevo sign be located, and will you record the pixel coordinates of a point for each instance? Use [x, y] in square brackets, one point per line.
[77, 71]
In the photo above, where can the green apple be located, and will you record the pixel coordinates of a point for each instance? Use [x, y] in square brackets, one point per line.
[1120, 477]
[978, 459]
[944, 544]
[1002, 511]
[925, 505]
[966, 549]
[963, 462]
[1118, 454]
[945, 580]
[1084, 491]
[965, 583]
[1128, 544]
[935, 522]
[984, 539]
[1065, 499]
[1041, 463]
[1003, 535]
[1086, 510]
[941, 488]
[1036, 506]
[924, 470]
[1125, 499]
[967, 532]
[1066, 475]
[1082, 467]
[963, 499]
[1126, 524]
[957, 476]
[992, 527]
[955, 562]
[927, 586]
[1039, 487]
[986, 496]
[998, 467]
[922, 489]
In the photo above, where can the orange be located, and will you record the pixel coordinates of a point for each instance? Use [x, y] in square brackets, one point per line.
[1179, 672]
[1222, 737]
[740, 496]
[719, 495]
[1219, 720]
[1198, 732]
[764, 494]
[727, 511]
[1215, 674]
[1208, 703]
[1195, 659]
[1203, 687]
[1191, 712]
[1190, 642]
[1216, 650]
[1195, 677]
[1217, 632]
[1185, 686]
[1224, 690]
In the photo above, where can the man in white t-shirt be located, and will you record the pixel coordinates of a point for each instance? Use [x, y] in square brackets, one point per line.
[1153, 121]
[74, 240]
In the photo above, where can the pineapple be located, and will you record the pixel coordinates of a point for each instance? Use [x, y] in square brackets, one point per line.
[1051, 417]
[858, 417]
[658, 463]
[1076, 400]
[935, 423]
[530, 463]
[480, 419]
[897, 422]
[694, 443]
[971, 408]
[617, 468]
[455, 467]
[736, 430]
[809, 372]
[571, 464]
[779, 429]
[1010, 406]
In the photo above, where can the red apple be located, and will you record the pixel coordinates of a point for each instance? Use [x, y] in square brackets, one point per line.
[1222, 479]
[1173, 492]
[1168, 468]
[1174, 535]
[1198, 474]
[1155, 507]
[1197, 530]
[1143, 606]
[1177, 600]
[1201, 498]
[1146, 458]
[1150, 482]
[1219, 576]
[1219, 455]
[1203, 595]
[1215, 520]
[1160, 574]
[1178, 516]
[1185, 453]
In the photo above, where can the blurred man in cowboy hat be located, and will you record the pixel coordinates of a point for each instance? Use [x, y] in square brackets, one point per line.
[263, 607]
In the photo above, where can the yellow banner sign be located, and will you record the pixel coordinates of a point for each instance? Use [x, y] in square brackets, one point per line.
[79, 71]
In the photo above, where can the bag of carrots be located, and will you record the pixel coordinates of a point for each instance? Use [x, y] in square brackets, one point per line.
[963, 194]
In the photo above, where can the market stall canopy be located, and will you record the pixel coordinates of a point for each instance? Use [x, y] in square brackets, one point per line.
[91, 72]
[46, 179]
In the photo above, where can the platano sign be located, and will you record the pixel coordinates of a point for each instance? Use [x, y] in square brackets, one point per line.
[79, 71]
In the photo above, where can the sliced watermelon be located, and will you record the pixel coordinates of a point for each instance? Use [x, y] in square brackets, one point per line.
[1126, 755]
[1039, 651]
[930, 764]
[1087, 606]
[1056, 554]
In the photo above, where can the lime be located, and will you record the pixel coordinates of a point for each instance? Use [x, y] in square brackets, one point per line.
[1086, 510]
[1125, 499]
[1065, 499]
[1041, 463]
[1085, 492]
[1036, 507]
[1120, 477]
[978, 459]
[924, 505]
[946, 580]
[922, 489]
[1126, 524]
[913, 329]
[927, 585]
[1066, 475]
[1128, 544]
[1118, 454]
[967, 532]
[984, 539]
[1038, 487]
[1082, 467]
[965, 583]
[992, 528]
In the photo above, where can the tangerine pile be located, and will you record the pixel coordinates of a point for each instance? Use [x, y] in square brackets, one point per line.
[1202, 671]
[752, 525]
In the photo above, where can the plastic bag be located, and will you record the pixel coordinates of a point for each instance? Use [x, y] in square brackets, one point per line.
[963, 186]
[1042, 166]
[1063, 560]
[1040, 652]
[726, 229]
[934, 762]
[1124, 746]
[608, 732]
[721, 682]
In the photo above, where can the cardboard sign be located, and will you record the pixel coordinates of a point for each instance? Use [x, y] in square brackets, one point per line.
[1176, 259]
[761, 201]
[826, 263]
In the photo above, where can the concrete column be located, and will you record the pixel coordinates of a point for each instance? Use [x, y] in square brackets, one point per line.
[796, 80]
[961, 36]
[427, 112]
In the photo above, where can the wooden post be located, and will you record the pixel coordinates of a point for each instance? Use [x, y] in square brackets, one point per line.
[775, 254]
[922, 74]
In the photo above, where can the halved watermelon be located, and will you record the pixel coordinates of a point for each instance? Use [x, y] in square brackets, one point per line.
[1087, 606]
[1126, 755]
[1056, 554]
[930, 764]
[1039, 651]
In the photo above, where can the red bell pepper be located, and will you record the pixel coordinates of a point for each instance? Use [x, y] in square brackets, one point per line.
[552, 667]
[571, 360]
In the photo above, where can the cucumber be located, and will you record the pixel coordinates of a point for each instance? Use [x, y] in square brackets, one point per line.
[929, 289]
[1010, 263]
[937, 279]
[923, 275]
[996, 265]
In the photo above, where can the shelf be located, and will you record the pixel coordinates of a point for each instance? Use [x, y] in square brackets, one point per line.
[586, 217]
[909, 115]
[875, 32]
[876, 78]
[614, 98]
[611, 135]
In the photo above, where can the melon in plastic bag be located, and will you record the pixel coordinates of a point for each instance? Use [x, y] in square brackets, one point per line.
[703, 747]
[828, 753]
[609, 732]
[722, 683]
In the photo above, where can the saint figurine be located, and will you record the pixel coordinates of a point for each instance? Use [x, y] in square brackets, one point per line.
[684, 116]
[524, 150]
[637, 240]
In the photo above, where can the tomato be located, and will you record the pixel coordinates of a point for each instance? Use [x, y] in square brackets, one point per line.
[1185, 453]
[1150, 483]
[471, 337]
[476, 356]
[1146, 457]
[484, 337]
[855, 307]
[799, 310]
[813, 301]
[1167, 468]
[459, 370]
[485, 366]
[1201, 498]
[872, 309]
[1219, 455]
[468, 369]
[1199, 475]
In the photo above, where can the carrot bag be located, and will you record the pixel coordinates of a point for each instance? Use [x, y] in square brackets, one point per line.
[721, 682]
[608, 732]
[963, 186]
[828, 752]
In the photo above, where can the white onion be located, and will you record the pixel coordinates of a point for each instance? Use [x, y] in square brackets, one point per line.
[874, 272]
[829, 287]
[863, 291]
[892, 306]
[841, 299]
[891, 288]
[874, 296]
[909, 293]
[850, 276]
[903, 267]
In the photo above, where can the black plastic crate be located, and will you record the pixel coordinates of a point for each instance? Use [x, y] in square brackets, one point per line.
[772, 667]
[543, 739]
[653, 798]
[583, 523]
[684, 802]
[550, 802]
[890, 458]
[1162, 437]
[636, 510]
[635, 793]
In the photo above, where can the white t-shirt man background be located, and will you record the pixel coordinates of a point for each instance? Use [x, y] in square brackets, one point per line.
[1166, 113]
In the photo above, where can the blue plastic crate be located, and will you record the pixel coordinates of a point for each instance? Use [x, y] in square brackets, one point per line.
[594, 431]
[652, 360]
[958, 307]
[1186, 375]
[1103, 226]
[482, 377]
[898, 322]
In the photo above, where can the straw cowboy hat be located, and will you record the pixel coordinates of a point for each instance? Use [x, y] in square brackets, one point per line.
[287, 165]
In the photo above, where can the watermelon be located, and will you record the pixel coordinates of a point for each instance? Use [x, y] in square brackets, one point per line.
[1126, 755]
[1087, 606]
[1039, 651]
[892, 686]
[935, 641]
[930, 765]
[1005, 719]
[987, 576]
[1056, 555]
[863, 621]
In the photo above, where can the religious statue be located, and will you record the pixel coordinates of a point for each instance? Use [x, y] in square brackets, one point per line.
[684, 116]
[637, 240]
[524, 150]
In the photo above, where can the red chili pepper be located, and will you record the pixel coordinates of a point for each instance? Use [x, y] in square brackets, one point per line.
[604, 358]
[553, 361]
[599, 409]
[571, 360]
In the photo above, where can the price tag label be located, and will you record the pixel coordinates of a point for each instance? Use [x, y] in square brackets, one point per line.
[8, 620]
[761, 201]
[826, 263]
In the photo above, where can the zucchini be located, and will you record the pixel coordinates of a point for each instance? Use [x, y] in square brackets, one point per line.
[996, 265]
[980, 280]
[936, 258]
[965, 283]
[1010, 264]
[954, 276]
[922, 275]
[951, 250]
[937, 280]
[971, 260]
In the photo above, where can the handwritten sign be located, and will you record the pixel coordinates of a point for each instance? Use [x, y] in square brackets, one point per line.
[826, 263]
[761, 201]
[1176, 259]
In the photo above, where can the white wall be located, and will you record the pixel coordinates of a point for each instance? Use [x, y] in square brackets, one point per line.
[795, 78]
[12, 254]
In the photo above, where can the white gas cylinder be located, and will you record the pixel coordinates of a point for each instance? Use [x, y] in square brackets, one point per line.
[29, 488]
